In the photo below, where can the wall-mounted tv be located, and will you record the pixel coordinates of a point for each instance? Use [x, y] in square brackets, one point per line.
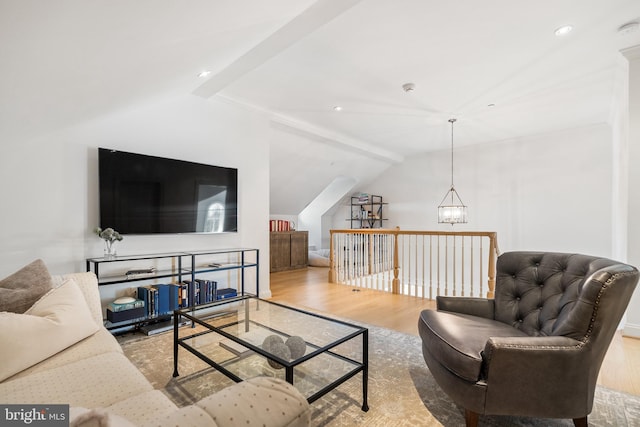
[142, 194]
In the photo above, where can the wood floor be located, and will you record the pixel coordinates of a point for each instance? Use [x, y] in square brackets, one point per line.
[309, 288]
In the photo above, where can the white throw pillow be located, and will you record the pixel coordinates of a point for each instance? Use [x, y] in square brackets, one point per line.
[59, 319]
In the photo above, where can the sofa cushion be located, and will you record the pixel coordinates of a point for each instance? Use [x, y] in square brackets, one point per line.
[20, 290]
[98, 381]
[457, 340]
[99, 343]
[142, 407]
[56, 321]
[191, 416]
[272, 401]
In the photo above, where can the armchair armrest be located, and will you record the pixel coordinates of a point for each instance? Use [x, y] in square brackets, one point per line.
[536, 373]
[480, 307]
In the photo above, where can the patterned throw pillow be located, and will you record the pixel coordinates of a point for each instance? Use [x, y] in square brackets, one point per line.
[19, 291]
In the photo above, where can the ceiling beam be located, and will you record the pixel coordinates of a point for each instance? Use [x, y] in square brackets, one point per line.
[315, 16]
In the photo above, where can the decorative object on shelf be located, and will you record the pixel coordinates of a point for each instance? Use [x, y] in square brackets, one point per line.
[140, 272]
[451, 209]
[362, 198]
[124, 300]
[110, 236]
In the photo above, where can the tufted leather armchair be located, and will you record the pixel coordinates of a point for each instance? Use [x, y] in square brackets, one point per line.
[536, 349]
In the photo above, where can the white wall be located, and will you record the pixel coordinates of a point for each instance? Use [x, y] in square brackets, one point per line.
[633, 244]
[548, 192]
[50, 184]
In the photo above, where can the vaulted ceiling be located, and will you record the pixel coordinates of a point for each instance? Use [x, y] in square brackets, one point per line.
[496, 65]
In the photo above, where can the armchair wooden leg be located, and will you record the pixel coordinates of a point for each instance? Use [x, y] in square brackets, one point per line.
[580, 422]
[471, 418]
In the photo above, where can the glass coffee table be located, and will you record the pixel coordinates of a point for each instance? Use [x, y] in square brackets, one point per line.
[245, 337]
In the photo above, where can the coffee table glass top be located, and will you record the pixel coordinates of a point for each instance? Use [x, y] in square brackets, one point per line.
[248, 337]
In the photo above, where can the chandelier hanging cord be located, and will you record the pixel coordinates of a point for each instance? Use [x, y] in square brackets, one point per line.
[452, 191]
[452, 121]
[455, 212]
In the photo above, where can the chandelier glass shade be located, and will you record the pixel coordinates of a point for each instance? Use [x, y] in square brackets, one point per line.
[451, 209]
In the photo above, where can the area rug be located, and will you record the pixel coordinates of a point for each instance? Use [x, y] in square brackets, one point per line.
[402, 391]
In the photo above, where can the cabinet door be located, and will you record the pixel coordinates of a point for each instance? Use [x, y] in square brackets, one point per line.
[280, 248]
[299, 249]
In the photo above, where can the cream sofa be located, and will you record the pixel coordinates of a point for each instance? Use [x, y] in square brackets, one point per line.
[102, 386]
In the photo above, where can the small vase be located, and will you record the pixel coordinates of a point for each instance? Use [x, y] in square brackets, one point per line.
[109, 250]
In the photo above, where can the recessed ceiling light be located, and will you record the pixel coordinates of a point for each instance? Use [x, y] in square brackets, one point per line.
[337, 108]
[564, 30]
[204, 73]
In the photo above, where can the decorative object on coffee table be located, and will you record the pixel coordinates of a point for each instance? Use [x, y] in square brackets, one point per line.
[297, 346]
[110, 236]
[275, 345]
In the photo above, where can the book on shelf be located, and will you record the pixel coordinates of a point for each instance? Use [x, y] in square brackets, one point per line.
[115, 306]
[225, 293]
[160, 299]
[125, 315]
[280, 225]
[146, 294]
[199, 291]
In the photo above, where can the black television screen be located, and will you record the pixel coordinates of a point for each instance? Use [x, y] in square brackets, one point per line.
[142, 194]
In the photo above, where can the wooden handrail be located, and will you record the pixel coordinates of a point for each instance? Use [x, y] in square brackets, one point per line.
[396, 267]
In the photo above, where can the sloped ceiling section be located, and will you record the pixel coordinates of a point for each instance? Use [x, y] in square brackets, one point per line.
[497, 67]
[303, 165]
[68, 61]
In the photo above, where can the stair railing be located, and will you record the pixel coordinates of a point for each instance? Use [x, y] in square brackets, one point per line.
[416, 263]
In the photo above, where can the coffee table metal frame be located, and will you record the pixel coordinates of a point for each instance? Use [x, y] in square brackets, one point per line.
[190, 313]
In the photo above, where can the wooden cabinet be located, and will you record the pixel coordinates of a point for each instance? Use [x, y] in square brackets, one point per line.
[289, 250]
[280, 249]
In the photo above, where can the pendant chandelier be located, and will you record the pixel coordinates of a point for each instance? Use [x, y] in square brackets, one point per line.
[451, 209]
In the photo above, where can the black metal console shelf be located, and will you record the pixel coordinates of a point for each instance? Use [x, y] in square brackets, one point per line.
[174, 267]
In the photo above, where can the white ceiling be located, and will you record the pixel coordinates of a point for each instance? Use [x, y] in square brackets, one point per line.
[67, 61]
[462, 56]
[70, 60]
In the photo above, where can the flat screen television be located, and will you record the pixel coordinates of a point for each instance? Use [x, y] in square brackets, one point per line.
[142, 194]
